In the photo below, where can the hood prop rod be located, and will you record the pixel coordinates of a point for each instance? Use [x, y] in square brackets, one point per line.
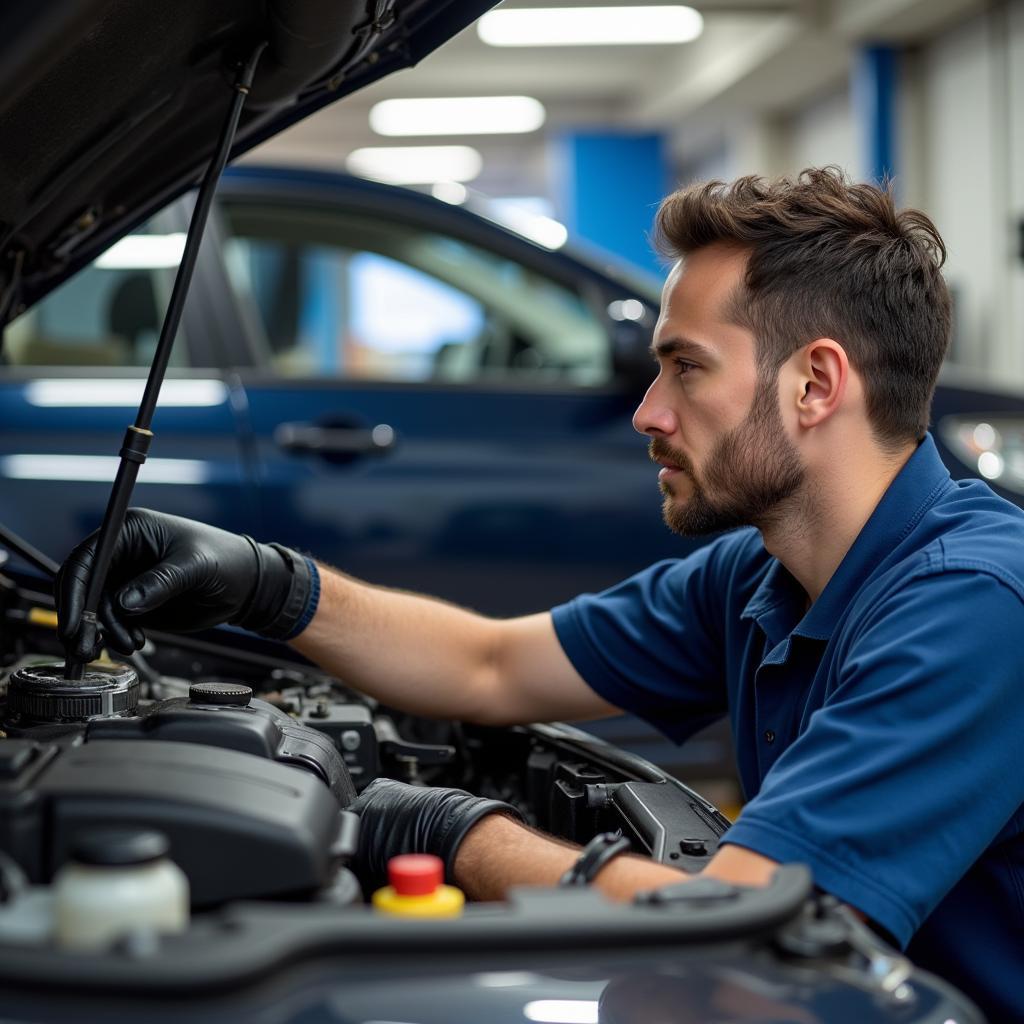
[138, 436]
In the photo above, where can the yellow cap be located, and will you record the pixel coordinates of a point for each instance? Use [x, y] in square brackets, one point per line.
[444, 901]
[42, 617]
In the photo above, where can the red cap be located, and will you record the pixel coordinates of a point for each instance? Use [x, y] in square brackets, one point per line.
[415, 874]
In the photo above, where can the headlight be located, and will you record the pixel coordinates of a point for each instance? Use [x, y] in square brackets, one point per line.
[992, 446]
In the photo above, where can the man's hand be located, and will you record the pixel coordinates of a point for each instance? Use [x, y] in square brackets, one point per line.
[179, 575]
[396, 818]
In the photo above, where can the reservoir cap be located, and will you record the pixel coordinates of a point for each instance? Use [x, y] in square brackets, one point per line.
[213, 692]
[415, 874]
[119, 847]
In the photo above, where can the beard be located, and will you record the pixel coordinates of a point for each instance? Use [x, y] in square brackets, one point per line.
[748, 478]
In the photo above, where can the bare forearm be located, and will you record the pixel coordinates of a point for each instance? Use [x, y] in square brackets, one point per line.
[409, 651]
[432, 658]
[499, 853]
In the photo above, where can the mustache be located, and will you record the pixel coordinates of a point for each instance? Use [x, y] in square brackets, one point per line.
[659, 450]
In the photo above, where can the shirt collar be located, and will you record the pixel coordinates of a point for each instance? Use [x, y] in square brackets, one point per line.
[780, 598]
[777, 603]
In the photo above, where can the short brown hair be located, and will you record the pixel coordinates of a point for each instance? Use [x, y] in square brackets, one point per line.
[829, 258]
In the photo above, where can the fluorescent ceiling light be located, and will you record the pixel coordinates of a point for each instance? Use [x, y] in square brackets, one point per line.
[75, 394]
[416, 165]
[468, 115]
[91, 468]
[144, 252]
[590, 26]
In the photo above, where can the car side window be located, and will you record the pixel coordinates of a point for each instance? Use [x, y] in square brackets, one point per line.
[339, 295]
[109, 313]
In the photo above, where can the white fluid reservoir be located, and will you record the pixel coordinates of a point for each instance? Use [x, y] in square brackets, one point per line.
[119, 881]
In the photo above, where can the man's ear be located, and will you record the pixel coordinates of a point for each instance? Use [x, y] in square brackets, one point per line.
[823, 372]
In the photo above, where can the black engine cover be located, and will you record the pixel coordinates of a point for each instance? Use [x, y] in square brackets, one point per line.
[239, 826]
[257, 728]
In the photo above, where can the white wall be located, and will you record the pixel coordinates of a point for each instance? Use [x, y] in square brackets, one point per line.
[819, 133]
[1015, 188]
[714, 163]
[823, 133]
[972, 82]
[961, 180]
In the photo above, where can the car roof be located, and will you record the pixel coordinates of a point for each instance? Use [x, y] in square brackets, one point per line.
[111, 108]
[475, 219]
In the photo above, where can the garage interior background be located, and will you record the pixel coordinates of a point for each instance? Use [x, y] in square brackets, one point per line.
[931, 91]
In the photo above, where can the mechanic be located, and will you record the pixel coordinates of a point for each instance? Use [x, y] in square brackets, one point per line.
[861, 633]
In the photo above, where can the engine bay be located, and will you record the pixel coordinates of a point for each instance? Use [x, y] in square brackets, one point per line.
[246, 762]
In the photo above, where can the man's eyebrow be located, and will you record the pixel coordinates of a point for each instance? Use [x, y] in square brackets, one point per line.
[680, 346]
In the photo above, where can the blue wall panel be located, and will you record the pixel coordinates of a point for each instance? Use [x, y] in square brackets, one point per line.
[873, 88]
[609, 189]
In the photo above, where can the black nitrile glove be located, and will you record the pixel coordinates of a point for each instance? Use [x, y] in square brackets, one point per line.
[395, 818]
[178, 575]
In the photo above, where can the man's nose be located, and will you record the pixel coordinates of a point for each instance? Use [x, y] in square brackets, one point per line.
[653, 416]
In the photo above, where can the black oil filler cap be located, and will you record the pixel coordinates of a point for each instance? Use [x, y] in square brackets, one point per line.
[227, 694]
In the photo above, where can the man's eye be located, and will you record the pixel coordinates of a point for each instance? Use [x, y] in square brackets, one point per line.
[683, 366]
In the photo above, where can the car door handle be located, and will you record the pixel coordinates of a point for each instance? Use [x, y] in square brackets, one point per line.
[346, 442]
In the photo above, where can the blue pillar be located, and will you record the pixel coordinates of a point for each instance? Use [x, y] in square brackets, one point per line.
[873, 89]
[609, 189]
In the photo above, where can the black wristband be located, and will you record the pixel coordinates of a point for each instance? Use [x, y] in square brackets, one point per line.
[297, 601]
[594, 856]
[281, 594]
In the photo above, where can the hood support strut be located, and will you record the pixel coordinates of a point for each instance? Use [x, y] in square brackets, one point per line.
[10, 295]
[138, 436]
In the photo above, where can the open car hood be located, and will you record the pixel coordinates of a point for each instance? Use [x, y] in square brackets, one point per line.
[111, 108]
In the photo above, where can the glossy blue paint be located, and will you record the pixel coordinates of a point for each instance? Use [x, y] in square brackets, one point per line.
[499, 500]
[658, 984]
[54, 491]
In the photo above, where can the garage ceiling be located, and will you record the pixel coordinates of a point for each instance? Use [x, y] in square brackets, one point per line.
[755, 58]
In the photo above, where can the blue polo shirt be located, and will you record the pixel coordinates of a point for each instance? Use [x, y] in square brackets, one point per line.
[880, 734]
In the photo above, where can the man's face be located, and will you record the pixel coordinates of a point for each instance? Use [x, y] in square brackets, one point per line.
[715, 427]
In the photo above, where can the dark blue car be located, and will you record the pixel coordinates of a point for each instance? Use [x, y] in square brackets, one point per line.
[400, 386]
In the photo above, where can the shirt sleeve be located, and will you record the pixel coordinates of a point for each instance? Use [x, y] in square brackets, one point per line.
[913, 765]
[653, 644]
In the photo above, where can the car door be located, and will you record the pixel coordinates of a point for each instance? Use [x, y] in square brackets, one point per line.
[431, 413]
[73, 371]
